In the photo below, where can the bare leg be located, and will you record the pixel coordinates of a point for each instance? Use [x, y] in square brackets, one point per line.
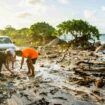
[7, 67]
[31, 68]
[13, 61]
[28, 65]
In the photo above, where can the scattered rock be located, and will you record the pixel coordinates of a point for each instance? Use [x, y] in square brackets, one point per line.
[61, 98]
[40, 102]
[53, 91]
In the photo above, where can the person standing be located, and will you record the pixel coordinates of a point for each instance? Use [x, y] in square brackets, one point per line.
[31, 54]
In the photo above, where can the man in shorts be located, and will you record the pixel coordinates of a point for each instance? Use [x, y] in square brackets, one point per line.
[31, 55]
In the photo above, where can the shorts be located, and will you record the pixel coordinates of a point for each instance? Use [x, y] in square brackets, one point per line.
[33, 60]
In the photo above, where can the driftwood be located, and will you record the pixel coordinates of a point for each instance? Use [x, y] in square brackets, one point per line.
[84, 62]
[91, 63]
[78, 92]
[99, 74]
[84, 73]
[100, 48]
[99, 98]
[81, 73]
[53, 56]
[92, 67]
[95, 70]
[64, 55]
[74, 90]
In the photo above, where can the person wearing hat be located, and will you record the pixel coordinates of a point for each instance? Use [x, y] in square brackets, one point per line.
[31, 54]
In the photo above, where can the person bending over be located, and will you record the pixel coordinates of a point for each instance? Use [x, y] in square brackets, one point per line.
[11, 56]
[4, 61]
[31, 54]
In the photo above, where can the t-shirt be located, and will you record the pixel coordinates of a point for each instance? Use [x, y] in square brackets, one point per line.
[11, 51]
[29, 52]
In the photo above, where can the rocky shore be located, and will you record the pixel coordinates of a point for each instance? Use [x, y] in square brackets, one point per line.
[63, 77]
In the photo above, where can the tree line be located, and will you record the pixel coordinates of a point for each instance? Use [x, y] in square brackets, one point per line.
[81, 31]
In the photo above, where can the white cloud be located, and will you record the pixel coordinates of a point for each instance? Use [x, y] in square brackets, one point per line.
[31, 2]
[63, 1]
[103, 8]
[24, 15]
[89, 14]
[29, 13]
[35, 7]
[35, 1]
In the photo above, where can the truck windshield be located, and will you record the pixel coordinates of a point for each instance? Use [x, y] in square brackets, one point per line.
[5, 40]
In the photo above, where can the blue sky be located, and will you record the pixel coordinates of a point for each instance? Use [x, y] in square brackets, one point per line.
[23, 13]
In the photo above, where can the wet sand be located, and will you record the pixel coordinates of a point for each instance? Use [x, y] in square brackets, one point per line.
[54, 83]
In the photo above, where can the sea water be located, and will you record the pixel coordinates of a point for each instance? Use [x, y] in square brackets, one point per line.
[102, 38]
[69, 37]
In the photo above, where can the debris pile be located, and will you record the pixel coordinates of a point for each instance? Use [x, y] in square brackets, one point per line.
[63, 77]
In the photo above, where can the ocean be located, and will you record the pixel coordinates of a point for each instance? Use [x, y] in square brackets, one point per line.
[102, 38]
[69, 37]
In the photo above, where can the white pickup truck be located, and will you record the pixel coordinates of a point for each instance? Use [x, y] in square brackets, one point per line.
[5, 43]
